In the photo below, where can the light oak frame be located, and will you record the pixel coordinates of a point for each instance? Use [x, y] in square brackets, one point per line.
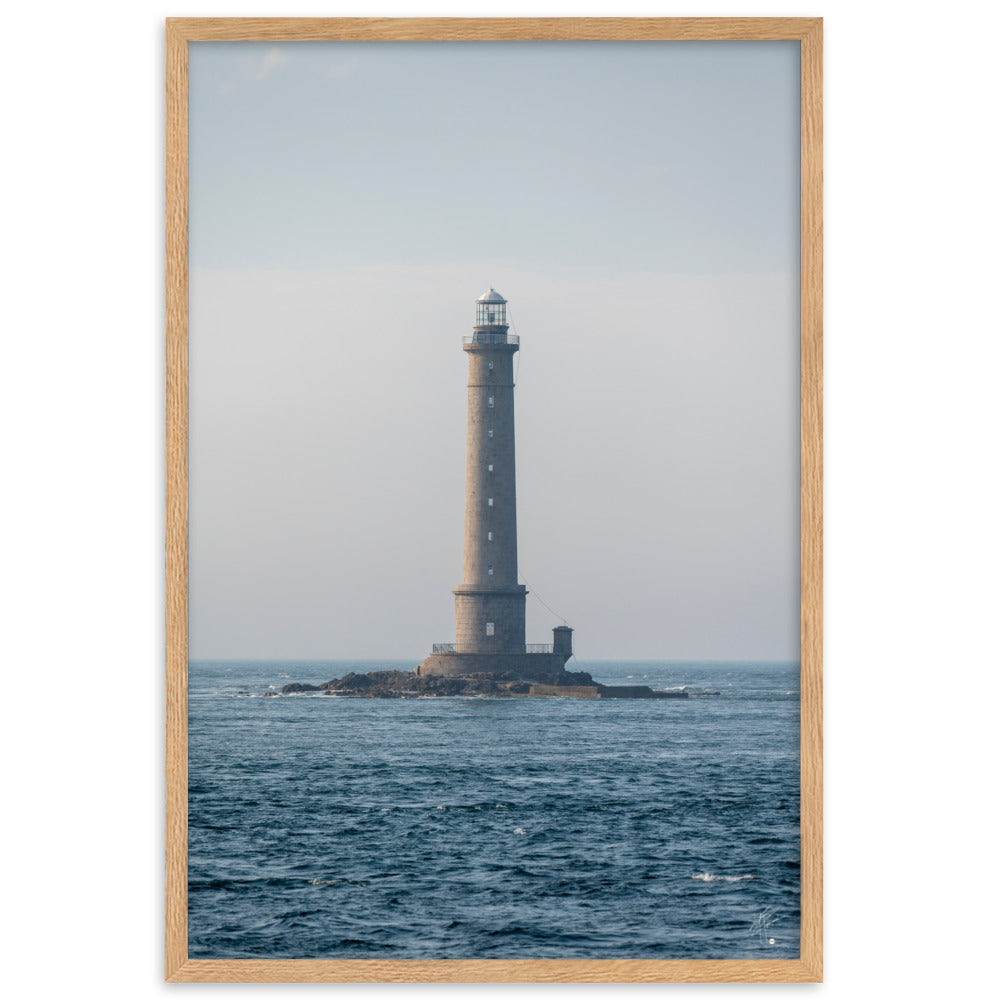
[179, 32]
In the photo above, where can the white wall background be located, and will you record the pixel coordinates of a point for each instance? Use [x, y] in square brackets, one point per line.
[911, 470]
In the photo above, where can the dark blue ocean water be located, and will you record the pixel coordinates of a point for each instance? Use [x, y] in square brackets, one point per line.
[325, 827]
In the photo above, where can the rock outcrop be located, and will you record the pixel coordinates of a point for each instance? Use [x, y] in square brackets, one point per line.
[408, 684]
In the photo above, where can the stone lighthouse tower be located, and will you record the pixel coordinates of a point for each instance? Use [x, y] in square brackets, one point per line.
[489, 602]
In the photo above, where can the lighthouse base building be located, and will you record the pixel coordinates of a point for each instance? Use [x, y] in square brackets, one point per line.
[536, 663]
[489, 602]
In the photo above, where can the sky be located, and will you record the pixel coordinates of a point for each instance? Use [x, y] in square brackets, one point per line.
[636, 203]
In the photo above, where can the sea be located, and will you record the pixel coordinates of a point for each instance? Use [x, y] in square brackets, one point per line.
[338, 827]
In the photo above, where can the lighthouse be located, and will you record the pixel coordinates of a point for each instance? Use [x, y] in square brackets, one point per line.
[489, 602]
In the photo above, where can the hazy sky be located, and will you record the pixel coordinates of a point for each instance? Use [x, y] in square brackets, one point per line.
[636, 202]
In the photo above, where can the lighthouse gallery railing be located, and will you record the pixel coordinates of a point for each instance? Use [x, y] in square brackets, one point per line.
[531, 647]
[492, 338]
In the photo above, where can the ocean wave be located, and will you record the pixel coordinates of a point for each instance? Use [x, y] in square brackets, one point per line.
[338, 881]
[709, 877]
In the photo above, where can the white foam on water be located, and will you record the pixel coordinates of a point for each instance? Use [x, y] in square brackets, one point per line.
[708, 877]
[520, 831]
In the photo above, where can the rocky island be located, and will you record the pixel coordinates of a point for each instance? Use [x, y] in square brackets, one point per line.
[500, 684]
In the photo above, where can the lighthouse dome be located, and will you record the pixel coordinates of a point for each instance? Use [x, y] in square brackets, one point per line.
[491, 296]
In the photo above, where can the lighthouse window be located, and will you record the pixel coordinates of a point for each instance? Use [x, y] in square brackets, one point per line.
[489, 569]
[490, 628]
[489, 502]
[490, 432]
[489, 401]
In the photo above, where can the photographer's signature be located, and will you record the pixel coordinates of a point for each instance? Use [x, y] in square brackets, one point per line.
[760, 925]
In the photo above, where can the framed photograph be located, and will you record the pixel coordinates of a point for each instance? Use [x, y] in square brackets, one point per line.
[428, 720]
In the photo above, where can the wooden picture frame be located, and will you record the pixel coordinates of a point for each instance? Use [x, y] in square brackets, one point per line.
[179, 33]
